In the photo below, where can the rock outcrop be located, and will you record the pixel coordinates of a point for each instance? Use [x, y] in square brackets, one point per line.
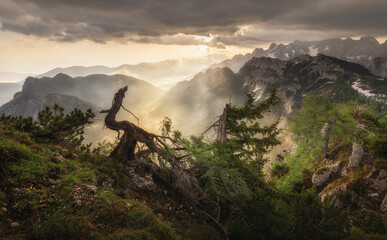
[356, 156]
[322, 175]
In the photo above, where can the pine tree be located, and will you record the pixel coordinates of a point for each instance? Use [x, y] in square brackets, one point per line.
[319, 122]
[54, 125]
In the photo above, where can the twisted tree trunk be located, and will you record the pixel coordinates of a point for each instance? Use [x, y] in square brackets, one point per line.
[125, 150]
[177, 178]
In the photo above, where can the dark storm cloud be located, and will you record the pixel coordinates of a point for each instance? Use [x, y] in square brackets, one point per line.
[176, 21]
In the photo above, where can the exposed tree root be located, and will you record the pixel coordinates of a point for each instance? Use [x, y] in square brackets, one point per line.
[135, 147]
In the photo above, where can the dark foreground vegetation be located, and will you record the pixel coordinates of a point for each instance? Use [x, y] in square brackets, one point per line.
[53, 187]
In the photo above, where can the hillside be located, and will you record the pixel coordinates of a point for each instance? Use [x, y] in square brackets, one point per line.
[49, 191]
[341, 151]
[304, 75]
[193, 104]
[54, 187]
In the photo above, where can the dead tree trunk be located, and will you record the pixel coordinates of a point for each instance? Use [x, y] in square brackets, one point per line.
[177, 178]
[327, 134]
[222, 128]
[125, 150]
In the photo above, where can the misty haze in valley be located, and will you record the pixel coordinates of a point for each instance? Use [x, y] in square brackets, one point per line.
[197, 120]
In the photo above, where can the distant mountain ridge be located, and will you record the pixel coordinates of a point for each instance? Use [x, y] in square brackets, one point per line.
[93, 91]
[162, 74]
[365, 51]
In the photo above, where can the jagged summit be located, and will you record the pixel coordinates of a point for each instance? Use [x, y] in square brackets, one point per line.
[362, 51]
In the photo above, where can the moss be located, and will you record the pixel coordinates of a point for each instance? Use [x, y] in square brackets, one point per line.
[25, 162]
[370, 222]
[84, 175]
[63, 226]
[320, 170]
[111, 210]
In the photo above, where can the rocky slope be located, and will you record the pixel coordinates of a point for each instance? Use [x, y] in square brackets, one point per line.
[303, 75]
[362, 51]
[354, 179]
[378, 65]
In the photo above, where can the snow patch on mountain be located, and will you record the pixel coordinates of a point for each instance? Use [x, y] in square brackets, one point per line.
[313, 51]
[357, 86]
[377, 97]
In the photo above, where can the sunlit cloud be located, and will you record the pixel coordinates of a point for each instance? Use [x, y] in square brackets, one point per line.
[193, 22]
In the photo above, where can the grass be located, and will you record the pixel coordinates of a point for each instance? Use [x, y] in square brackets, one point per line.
[303, 160]
[42, 190]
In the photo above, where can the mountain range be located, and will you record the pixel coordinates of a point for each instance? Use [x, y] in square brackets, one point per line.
[94, 91]
[366, 51]
[162, 74]
[199, 101]
[194, 104]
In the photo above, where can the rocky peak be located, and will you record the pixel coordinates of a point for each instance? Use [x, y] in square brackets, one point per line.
[272, 46]
[361, 51]
[264, 62]
[304, 58]
[369, 40]
[259, 52]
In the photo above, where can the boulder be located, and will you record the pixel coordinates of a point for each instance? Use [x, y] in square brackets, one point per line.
[356, 156]
[322, 175]
[15, 224]
[92, 189]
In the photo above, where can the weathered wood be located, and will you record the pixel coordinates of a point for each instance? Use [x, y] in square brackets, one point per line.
[327, 132]
[177, 178]
[222, 128]
[125, 150]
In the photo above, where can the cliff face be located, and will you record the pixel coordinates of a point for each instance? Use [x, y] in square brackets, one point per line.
[378, 66]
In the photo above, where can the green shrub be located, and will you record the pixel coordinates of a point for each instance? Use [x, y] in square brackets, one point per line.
[279, 169]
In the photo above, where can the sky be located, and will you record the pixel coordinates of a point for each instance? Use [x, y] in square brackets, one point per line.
[38, 35]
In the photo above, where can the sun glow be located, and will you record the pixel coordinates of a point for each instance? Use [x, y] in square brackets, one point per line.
[205, 38]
